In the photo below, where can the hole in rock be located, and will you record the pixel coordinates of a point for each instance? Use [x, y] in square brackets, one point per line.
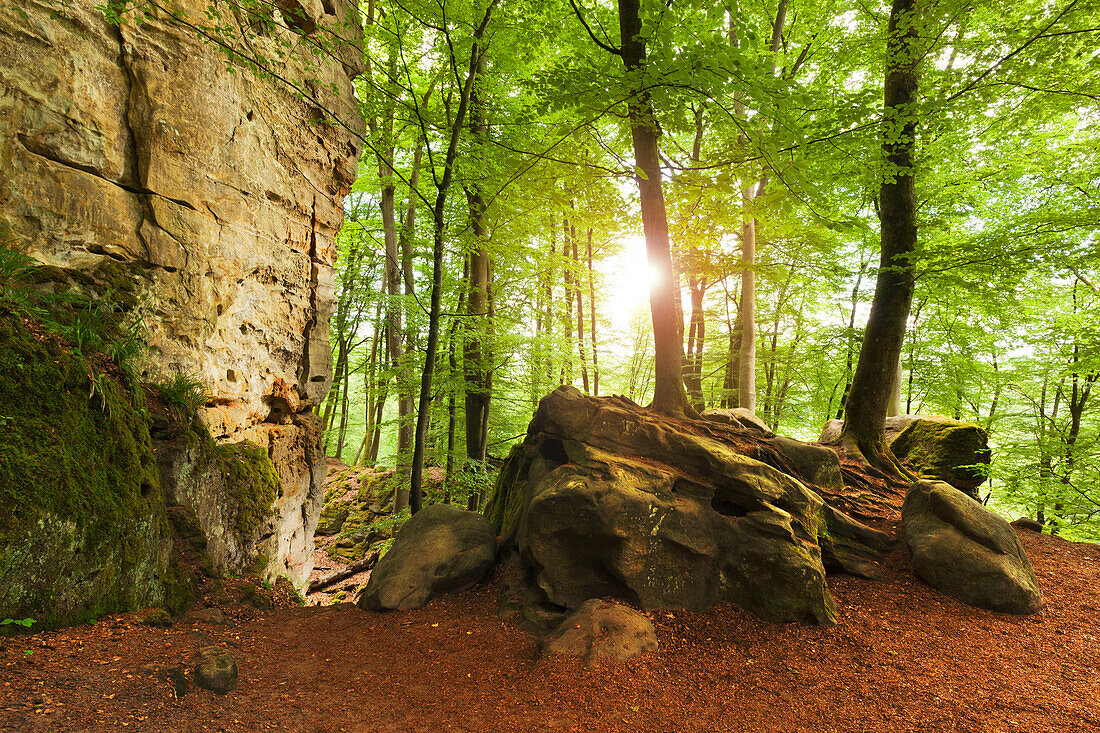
[554, 451]
[146, 489]
[248, 116]
[230, 375]
[280, 408]
[727, 507]
[318, 378]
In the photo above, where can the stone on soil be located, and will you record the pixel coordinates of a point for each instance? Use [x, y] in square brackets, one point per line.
[216, 670]
[601, 631]
[441, 548]
[967, 551]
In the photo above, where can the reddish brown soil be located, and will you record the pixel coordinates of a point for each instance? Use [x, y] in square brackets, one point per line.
[903, 658]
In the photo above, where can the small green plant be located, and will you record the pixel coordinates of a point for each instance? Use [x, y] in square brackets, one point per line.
[183, 390]
[24, 622]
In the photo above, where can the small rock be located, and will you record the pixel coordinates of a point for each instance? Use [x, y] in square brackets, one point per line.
[155, 617]
[175, 676]
[216, 670]
[212, 616]
[1029, 524]
[602, 632]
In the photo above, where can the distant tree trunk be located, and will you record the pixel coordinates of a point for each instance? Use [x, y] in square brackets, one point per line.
[592, 317]
[566, 375]
[747, 357]
[864, 429]
[693, 363]
[548, 321]
[851, 338]
[669, 395]
[443, 185]
[580, 314]
[730, 387]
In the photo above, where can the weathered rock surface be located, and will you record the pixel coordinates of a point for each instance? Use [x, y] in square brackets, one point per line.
[216, 670]
[212, 195]
[602, 632]
[967, 551]
[441, 548]
[739, 417]
[604, 499]
[938, 448]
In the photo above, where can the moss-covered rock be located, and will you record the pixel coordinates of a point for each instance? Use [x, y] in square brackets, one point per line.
[945, 450]
[82, 524]
[229, 491]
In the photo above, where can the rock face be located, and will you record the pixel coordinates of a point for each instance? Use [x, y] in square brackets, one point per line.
[604, 499]
[602, 632]
[441, 548]
[211, 194]
[938, 448]
[967, 551]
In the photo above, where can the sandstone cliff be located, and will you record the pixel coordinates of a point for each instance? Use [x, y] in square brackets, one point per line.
[217, 193]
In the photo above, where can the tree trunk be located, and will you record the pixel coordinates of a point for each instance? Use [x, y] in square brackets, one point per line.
[476, 353]
[876, 370]
[747, 357]
[443, 185]
[592, 317]
[669, 395]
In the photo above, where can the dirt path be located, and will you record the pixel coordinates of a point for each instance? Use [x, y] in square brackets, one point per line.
[903, 658]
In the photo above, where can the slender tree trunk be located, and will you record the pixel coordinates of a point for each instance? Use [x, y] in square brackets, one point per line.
[579, 289]
[669, 395]
[443, 186]
[865, 412]
[592, 318]
[566, 376]
[747, 356]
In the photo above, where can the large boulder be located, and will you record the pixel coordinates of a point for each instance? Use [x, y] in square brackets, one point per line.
[936, 447]
[441, 548]
[602, 631]
[605, 499]
[967, 551]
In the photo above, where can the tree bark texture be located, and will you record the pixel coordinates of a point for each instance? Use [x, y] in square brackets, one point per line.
[876, 370]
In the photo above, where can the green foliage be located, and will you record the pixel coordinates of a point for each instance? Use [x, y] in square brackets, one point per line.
[24, 622]
[184, 391]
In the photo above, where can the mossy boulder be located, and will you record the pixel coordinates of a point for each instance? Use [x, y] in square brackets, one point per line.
[967, 551]
[947, 450]
[231, 490]
[605, 499]
[83, 529]
[937, 448]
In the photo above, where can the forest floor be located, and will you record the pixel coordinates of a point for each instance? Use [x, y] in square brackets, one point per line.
[902, 658]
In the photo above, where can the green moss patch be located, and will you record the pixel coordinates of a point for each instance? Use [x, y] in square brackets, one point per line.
[82, 524]
[251, 480]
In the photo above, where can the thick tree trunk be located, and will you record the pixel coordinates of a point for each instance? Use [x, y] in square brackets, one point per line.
[476, 354]
[876, 370]
[669, 395]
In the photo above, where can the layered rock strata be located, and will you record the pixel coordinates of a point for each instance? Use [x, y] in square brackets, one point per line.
[216, 192]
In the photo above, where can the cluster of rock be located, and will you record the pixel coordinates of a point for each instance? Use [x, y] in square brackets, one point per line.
[137, 162]
[606, 506]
